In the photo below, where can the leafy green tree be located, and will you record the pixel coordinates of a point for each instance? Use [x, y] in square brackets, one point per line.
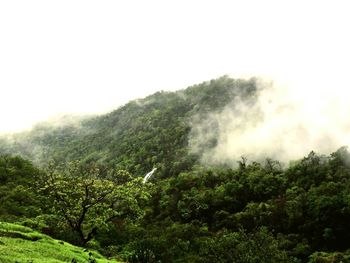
[18, 199]
[86, 199]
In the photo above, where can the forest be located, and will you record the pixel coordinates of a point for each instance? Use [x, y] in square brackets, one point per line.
[82, 182]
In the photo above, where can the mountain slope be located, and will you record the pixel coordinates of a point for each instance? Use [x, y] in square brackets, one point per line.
[145, 133]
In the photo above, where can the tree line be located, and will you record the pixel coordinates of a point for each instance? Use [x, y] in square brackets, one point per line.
[257, 212]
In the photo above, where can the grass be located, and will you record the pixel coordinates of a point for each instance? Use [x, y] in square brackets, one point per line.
[20, 244]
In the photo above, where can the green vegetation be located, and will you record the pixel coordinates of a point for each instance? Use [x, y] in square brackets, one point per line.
[22, 244]
[146, 133]
[245, 213]
[86, 197]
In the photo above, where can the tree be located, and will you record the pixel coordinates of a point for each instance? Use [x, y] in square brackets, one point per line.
[87, 198]
[17, 197]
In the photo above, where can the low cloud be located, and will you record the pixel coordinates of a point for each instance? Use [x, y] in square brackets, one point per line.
[284, 123]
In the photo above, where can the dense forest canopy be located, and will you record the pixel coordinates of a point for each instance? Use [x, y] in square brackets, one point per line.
[82, 183]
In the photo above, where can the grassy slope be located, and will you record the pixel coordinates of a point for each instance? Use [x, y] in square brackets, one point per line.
[22, 244]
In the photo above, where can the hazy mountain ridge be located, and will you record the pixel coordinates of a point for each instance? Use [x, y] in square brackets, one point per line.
[137, 136]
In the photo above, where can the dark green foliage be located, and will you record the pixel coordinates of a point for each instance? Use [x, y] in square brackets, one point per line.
[257, 214]
[18, 198]
[336, 257]
[259, 246]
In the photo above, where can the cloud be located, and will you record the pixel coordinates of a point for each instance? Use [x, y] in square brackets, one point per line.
[285, 122]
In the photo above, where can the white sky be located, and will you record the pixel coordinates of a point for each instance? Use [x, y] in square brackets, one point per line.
[92, 56]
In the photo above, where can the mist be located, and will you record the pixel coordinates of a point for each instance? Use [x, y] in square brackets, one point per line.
[285, 122]
[27, 142]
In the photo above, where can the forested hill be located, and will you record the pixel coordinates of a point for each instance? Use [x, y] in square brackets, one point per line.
[144, 133]
[258, 212]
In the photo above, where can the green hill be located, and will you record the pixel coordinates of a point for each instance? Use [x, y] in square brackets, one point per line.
[22, 244]
[256, 212]
[145, 133]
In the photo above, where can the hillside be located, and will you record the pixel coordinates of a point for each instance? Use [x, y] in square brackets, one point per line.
[251, 212]
[145, 133]
[22, 244]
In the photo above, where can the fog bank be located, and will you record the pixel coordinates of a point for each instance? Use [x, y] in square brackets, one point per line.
[286, 122]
